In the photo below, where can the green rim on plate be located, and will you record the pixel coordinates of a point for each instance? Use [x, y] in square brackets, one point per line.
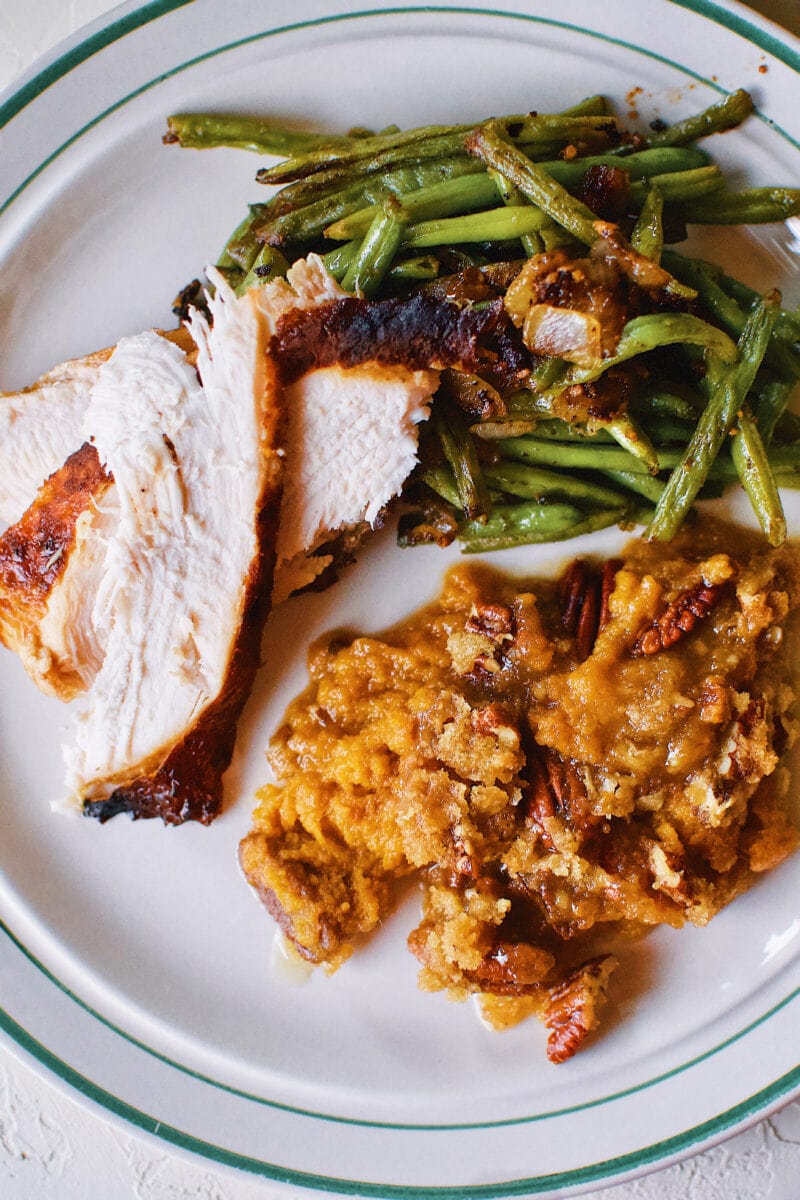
[748, 1109]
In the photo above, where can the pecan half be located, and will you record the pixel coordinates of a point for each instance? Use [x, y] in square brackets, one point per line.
[584, 594]
[714, 700]
[606, 588]
[573, 1009]
[689, 606]
[556, 789]
[512, 969]
[540, 802]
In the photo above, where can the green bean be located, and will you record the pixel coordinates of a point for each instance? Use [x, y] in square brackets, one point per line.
[589, 456]
[495, 225]
[201, 131]
[542, 128]
[592, 106]
[419, 269]
[531, 242]
[629, 434]
[337, 262]
[752, 465]
[376, 253]
[448, 198]
[554, 237]
[755, 206]
[374, 186]
[725, 114]
[545, 374]
[268, 264]
[459, 450]
[534, 483]
[526, 524]
[770, 406]
[442, 481]
[668, 399]
[533, 520]
[733, 382]
[504, 427]
[635, 481]
[666, 430]
[681, 187]
[565, 431]
[647, 237]
[488, 143]
[658, 329]
[643, 164]
[581, 456]
[788, 322]
[242, 246]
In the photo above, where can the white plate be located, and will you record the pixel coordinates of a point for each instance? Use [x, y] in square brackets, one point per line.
[137, 965]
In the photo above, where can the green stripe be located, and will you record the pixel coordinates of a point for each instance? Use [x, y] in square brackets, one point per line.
[593, 1173]
[158, 8]
[532, 1118]
[367, 13]
[599, 1171]
[788, 54]
[86, 49]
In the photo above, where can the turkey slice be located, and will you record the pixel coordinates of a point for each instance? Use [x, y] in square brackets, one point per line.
[47, 569]
[42, 425]
[187, 572]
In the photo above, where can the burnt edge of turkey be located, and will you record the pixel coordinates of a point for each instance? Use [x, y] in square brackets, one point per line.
[418, 332]
[34, 552]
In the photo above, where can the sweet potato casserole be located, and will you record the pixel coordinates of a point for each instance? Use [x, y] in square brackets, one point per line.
[558, 760]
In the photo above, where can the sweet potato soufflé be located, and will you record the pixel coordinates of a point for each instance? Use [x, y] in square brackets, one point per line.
[558, 760]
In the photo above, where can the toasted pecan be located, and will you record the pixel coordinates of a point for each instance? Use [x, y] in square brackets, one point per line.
[681, 616]
[584, 594]
[572, 1012]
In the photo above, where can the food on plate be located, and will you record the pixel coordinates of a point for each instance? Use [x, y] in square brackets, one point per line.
[139, 579]
[42, 425]
[630, 363]
[152, 601]
[165, 492]
[562, 763]
[356, 378]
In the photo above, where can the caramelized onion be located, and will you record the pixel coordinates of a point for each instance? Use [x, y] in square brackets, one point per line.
[563, 333]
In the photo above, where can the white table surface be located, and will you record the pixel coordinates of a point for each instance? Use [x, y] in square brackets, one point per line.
[52, 1147]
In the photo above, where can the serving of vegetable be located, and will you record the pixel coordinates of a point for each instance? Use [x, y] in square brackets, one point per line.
[655, 378]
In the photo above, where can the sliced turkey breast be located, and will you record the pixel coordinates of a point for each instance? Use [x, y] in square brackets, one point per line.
[42, 425]
[42, 558]
[358, 378]
[153, 606]
[352, 443]
[187, 573]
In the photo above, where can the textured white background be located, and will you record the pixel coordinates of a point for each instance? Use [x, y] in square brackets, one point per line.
[52, 1148]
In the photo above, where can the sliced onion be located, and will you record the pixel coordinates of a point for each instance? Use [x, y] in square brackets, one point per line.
[563, 333]
[521, 293]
